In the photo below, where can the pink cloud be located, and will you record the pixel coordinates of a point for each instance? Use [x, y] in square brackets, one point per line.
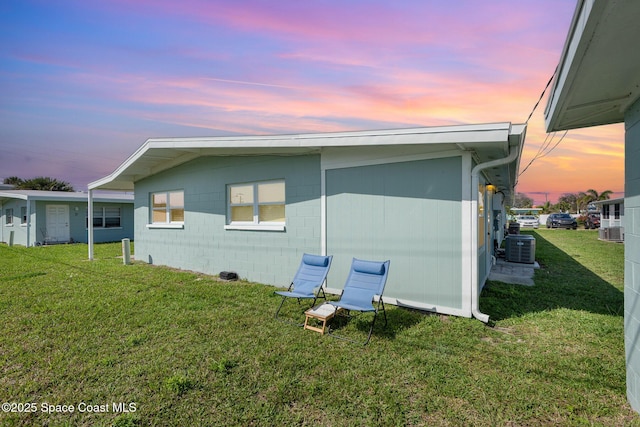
[585, 158]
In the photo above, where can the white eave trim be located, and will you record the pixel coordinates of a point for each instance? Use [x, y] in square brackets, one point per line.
[282, 144]
[574, 47]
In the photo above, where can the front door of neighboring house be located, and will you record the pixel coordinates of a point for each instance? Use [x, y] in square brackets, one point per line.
[57, 223]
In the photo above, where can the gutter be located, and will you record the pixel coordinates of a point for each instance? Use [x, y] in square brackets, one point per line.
[475, 172]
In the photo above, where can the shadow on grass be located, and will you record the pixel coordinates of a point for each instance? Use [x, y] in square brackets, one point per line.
[356, 324]
[25, 276]
[398, 319]
[561, 282]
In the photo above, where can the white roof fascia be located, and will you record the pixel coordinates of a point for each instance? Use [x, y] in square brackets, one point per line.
[566, 67]
[608, 201]
[6, 195]
[60, 196]
[193, 147]
[596, 78]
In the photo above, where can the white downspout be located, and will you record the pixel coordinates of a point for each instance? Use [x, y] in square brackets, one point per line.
[90, 223]
[475, 172]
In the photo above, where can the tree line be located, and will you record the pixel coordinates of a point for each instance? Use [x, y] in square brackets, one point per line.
[568, 202]
[38, 183]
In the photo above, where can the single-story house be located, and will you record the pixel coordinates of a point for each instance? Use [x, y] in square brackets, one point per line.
[33, 217]
[597, 83]
[611, 219]
[429, 199]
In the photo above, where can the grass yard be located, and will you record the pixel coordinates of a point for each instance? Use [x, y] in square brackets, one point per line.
[176, 348]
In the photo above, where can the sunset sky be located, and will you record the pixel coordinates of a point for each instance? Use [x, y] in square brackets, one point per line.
[84, 83]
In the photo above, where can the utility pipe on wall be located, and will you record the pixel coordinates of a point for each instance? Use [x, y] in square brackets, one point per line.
[475, 172]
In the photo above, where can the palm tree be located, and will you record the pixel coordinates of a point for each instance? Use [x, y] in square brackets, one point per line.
[605, 195]
[583, 200]
[546, 208]
[13, 180]
[592, 195]
[44, 183]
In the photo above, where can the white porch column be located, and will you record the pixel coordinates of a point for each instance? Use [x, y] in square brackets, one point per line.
[90, 224]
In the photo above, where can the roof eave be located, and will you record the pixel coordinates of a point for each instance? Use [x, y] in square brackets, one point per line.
[596, 79]
[159, 154]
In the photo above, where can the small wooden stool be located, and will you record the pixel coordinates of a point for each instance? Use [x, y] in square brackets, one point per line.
[322, 313]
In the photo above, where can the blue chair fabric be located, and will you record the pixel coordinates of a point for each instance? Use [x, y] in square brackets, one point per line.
[308, 280]
[366, 280]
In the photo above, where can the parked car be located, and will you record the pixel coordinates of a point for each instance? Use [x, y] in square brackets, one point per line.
[592, 220]
[528, 221]
[561, 220]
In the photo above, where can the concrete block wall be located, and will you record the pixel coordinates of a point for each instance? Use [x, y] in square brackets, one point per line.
[632, 253]
[203, 245]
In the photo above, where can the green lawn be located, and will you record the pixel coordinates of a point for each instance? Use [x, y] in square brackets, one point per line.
[185, 350]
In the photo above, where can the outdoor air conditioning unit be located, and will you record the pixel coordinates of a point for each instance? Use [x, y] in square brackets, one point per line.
[603, 234]
[521, 248]
[615, 234]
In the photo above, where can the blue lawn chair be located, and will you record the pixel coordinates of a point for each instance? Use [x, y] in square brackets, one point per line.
[307, 283]
[366, 280]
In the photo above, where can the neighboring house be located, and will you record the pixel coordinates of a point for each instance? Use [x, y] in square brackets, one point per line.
[428, 199]
[33, 217]
[597, 83]
[611, 219]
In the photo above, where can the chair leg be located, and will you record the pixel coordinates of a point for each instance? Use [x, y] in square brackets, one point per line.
[373, 322]
[384, 311]
[280, 306]
[289, 321]
[315, 298]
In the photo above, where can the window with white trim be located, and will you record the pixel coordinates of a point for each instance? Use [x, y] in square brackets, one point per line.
[106, 217]
[8, 214]
[256, 205]
[167, 207]
[23, 215]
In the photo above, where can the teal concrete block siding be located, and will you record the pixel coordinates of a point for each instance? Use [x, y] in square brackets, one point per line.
[632, 253]
[19, 231]
[102, 235]
[77, 222]
[408, 212]
[269, 257]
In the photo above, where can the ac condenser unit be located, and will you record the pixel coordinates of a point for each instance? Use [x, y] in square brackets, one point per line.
[603, 234]
[521, 248]
[615, 234]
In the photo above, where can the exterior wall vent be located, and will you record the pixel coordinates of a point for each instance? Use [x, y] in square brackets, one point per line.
[521, 248]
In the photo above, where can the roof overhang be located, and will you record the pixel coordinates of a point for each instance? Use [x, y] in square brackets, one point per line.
[63, 196]
[486, 142]
[609, 201]
[598, 76]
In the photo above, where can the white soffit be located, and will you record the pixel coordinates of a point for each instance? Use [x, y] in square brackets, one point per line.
[598, 75]
[158, 154]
